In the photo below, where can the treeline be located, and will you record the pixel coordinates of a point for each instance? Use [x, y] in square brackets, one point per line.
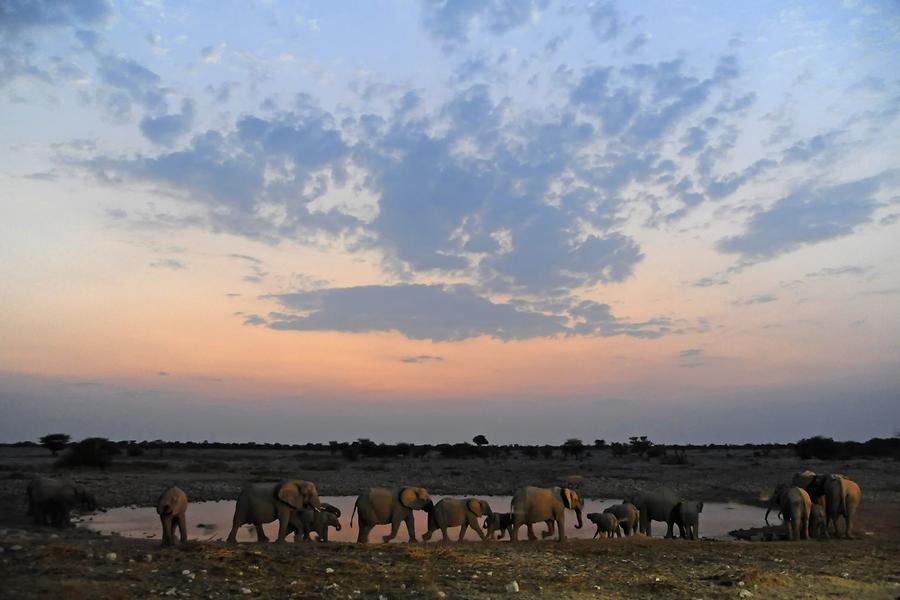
[825, 448]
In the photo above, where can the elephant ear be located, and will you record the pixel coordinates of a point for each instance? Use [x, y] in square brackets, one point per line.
[476, 506]
[569, 497]
[699, 507]
[289, 493]
[408, 497]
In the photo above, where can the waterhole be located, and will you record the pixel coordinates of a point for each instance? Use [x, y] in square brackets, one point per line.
[211, 521]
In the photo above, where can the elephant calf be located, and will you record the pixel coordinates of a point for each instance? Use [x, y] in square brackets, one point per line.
[817, 521]
[607, 524]
[307, 521]
[502, 522]
[628, 517]
[457, 512]
[688, 519]
[171, 508]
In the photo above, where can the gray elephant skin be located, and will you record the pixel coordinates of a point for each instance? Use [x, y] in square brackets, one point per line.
[50, 501]
[265, 502]
[172, 508]
[628, 517]
[688, 519]
[502, 522]
[390, 506]
[607, 524]
[457, 512]
[535, 504]
[794, 504]
[308, 521]
[660, 504]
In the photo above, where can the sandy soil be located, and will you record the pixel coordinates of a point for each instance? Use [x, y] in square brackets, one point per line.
[73, 564]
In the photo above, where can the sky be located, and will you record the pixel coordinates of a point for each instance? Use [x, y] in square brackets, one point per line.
[426, 220]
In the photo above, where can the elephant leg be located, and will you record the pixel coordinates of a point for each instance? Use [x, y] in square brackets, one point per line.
[561, 527]
[411, 527]
[670, 526]
[166, 523]
[363, 536]
[462, 531]
[261, 536]
[531, 535]
[596, 533]
[182, 528]
[283, 522]
[395, 528]
[551, 528]
[232, 535]
[473, 523]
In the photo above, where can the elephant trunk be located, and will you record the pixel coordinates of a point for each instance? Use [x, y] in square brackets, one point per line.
[580, 523]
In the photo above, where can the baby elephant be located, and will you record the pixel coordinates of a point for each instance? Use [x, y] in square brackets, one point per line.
[502, 522]
[688, 519]
[172, 506]
[307, 521]
[607, 524]
[817, 521]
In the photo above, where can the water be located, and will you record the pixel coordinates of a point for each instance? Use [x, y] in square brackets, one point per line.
[211, 521]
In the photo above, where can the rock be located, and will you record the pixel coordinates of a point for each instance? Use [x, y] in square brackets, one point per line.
[329, 570]
[112, 556]
[186, 572]
[16, 548]
[745, 593]
[246, 591]
[441, 594]
[512, 587]
[148, 558]
[170, 592]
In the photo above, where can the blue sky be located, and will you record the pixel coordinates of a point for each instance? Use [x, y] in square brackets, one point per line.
[666, 208]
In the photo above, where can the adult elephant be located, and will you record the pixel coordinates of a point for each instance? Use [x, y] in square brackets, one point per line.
[688, 519]
[50, 501]
[794, 503]
[265, 502]
[534, 504]
[457, 512]
[390, 506]
[172, 508]
[813, 483]
[661, 504]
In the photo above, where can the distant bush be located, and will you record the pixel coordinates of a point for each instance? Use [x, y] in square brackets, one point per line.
[656, 452]
[573, 447]
[54, 442]
[350, 452]
[134, 450]
[90, 452]
[530, 451]
[677, 457]
[825, 448]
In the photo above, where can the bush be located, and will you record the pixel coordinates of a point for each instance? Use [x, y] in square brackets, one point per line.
[134, 450]
[54, 442]
[573, 447]
[90, 452]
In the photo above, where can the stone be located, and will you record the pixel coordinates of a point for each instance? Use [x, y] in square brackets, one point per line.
[512, 587]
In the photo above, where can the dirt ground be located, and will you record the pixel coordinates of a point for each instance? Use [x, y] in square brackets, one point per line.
[75, 564]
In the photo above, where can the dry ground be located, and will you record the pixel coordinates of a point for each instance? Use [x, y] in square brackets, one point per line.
[74, 564]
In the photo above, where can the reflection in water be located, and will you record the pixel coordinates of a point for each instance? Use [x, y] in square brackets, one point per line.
[211, 521]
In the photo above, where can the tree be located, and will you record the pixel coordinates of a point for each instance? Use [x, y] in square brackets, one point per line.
[640, 445]
[573, 447]
[599, 444]
[54, 442]
[480, 440]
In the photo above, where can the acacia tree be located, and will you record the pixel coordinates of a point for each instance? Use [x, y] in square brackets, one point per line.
[574, 447]
[480, 440]
[54, 442]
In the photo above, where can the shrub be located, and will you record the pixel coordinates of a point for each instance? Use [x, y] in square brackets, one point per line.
[573, 447]
[54, 442]
[90, 452]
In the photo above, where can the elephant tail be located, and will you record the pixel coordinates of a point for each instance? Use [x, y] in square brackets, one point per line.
[355, 504]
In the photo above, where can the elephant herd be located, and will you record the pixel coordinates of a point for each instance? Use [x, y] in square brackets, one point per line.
[812, 504]
[808, 506]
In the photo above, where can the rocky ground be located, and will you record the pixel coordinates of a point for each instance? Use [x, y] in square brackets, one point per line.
[74, 564]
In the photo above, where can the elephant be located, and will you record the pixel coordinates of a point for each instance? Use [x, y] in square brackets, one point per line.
[607, 524]
[265, 502]
[659, 505]
[573, 482]
[457, 512]
[818, 525]
[688, 519]
[502, 522]
[533, 504]
[307, 521]
[628, 517]
[795, 504]
[171, 508]
[837, 493]
[842, 498]
[50, 501]
[383, 506]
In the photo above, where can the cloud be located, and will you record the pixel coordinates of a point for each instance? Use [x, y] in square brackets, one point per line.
[212, 54]
[20, 17]
[421, 358]
[838, 271]
[446, 313]
[605, 21]
[129, 83]
[166, 130]
[454, 22]
[807, 216]
[757, 299]
[690, 353]
[168, 263]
